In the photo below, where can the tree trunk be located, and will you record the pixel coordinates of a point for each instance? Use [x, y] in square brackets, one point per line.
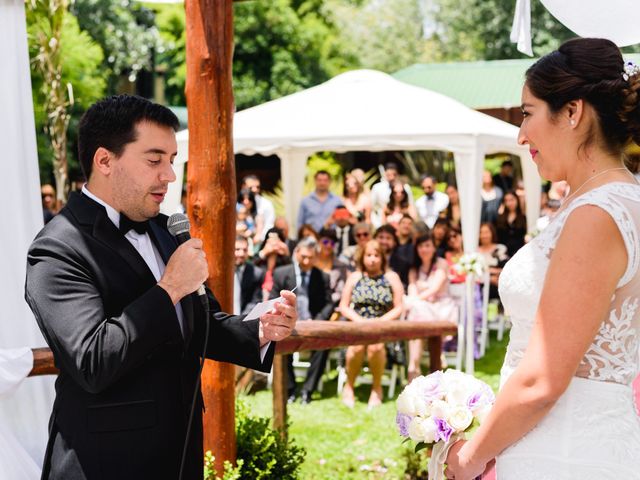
[211, 191]
[58, 96]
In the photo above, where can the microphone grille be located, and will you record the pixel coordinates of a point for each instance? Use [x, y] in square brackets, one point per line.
[178, 223]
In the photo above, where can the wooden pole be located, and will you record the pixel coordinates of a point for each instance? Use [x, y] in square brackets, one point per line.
[212, 192]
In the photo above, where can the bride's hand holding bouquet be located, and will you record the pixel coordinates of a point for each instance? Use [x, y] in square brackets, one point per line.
[436, 411]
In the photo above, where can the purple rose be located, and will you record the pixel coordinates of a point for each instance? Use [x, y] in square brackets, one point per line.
[474, 401]
[443, 430]
[403, 421]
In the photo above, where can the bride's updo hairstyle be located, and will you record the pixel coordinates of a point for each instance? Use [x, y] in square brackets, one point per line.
[591, 69]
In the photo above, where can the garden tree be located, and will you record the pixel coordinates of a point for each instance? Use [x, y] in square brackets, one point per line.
[280, 47]
[385, 35]
[126, 32]
[65, 80]
[480, 29]
[170, 21]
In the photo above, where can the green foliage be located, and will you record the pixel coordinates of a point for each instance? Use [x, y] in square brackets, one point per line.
[170, 20]
[479, 29]
[383, 35]
[277, 50]
[81, 58]
[126, 33]
[230, 472]
[263, 450]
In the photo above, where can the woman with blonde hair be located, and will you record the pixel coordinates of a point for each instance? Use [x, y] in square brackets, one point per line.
[371, 292]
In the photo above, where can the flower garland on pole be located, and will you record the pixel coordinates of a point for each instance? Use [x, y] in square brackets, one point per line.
[473, 266]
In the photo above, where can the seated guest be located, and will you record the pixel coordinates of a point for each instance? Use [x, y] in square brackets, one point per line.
[428, 297]
[511, 225]
[405, 233]
[49, 208]
[273, 253]
[491, 198]
[371, 292]
[252, 220]
[362, 234]
[440, 233]
[432, 203]
[283, 225]
[341, 221]
[248, 280]
[314, 303]
[453, 253]
[306, 230]
[327, 262]
[355, 199]
[495, 255]
[386, 236]
[453, 213]
[399, 204]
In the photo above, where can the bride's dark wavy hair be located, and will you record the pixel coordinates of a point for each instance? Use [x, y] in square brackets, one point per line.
[591, 69]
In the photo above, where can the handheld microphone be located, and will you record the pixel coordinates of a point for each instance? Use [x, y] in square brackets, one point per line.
[179, 226]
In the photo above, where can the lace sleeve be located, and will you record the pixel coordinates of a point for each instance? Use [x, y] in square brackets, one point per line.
[615, 204]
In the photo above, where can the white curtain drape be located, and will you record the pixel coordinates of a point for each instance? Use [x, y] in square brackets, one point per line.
[24, 414]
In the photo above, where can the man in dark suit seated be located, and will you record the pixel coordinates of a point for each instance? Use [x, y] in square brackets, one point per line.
[113, 294]
[247, 288]
[314, 303]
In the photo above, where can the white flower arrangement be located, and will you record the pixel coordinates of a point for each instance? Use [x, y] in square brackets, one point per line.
[473, 263]
[438, 409]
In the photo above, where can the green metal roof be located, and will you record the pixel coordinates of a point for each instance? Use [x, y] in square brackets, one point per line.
[485, 84]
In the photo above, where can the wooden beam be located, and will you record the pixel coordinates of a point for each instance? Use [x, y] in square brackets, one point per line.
[323, 335]
[212, 193]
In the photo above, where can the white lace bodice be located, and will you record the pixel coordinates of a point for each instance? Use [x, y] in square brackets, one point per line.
[613, 355]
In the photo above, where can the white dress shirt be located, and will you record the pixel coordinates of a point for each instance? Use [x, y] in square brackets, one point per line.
[429, 208]
[143, 244]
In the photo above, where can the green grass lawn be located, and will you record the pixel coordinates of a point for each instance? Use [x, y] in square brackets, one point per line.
[343, 443]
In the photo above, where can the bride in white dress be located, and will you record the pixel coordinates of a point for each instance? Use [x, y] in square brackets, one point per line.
[565, 410]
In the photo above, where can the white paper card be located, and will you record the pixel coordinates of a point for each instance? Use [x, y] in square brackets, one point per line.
[262, 308]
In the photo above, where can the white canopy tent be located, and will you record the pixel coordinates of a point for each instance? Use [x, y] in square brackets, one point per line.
[370, 110]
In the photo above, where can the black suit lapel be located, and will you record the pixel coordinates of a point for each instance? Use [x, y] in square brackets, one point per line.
[94, 216]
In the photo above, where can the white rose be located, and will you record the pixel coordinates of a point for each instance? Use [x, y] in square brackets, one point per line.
[422, 430]
[482, 412]
[411, 404]
[460, 418]
[440, 409]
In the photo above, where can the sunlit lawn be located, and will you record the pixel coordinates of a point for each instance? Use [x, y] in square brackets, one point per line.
[343, 443]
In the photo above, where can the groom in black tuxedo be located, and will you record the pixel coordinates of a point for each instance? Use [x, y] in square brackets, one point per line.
[113, 295]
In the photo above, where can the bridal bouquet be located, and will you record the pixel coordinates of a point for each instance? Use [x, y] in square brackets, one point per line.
[471, 263]
[436, 410]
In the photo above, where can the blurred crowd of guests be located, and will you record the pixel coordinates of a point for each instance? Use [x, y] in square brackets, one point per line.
[373, 253]
[369, 253]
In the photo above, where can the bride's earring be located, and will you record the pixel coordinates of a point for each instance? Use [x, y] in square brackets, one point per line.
[572, 122]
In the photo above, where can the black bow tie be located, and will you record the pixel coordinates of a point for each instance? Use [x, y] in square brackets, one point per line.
[127, 224]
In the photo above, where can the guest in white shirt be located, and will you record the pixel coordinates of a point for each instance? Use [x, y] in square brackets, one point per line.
[432, 203]
[381, 193]
[264, 206]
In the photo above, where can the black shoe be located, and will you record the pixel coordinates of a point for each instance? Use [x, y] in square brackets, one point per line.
[291, 399]
[306, 398]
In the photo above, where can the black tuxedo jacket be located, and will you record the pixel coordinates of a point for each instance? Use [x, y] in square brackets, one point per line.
[127, 375]
[250, 287]
[320, 304]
